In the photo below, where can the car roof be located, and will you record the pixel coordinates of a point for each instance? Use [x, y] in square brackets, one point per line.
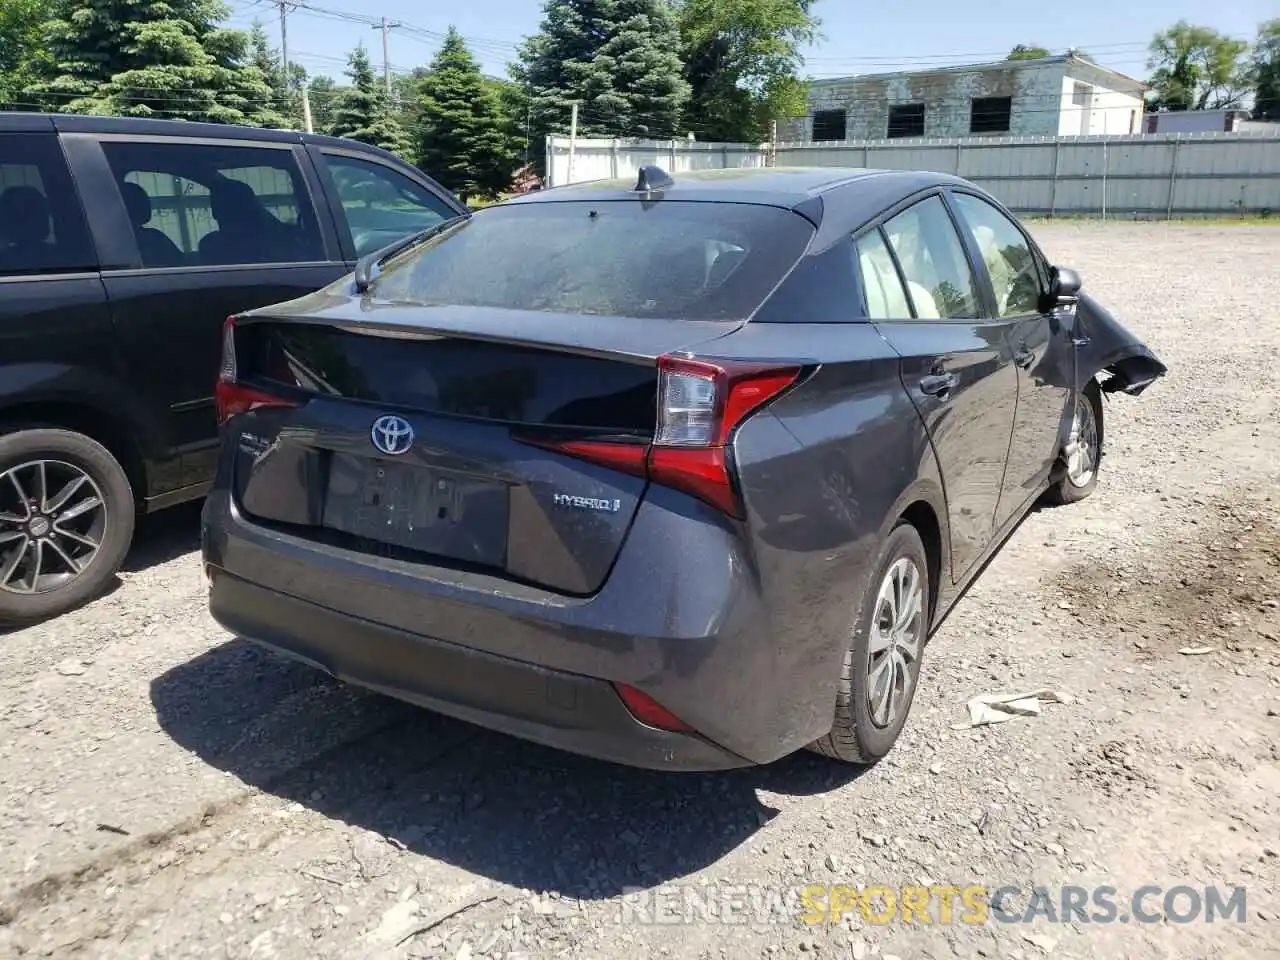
[147, 127]
[836, 197]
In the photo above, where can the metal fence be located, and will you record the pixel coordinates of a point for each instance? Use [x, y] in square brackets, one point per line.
[1143, 176]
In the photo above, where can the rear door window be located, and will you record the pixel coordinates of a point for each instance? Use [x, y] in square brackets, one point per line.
[42, 227]
[381, 205]
[675, 259]
[882, 287]
[939, 280]
[194, 204]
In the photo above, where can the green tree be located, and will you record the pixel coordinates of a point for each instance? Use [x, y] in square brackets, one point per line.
[619, 59]
[1266, 72]
[1028, 51]
[1197, 68]
[742, 59]
[154, 59]
[22, 50]
[464, 140]
[362, 111]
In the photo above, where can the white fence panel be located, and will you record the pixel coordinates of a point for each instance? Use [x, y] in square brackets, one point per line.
[1155, 175]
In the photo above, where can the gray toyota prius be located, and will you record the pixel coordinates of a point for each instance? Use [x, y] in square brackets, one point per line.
[679, 472]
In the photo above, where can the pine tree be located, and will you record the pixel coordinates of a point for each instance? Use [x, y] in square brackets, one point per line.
[148, 59]
[618, 58]
[267, 61]
[362, 111]
[464, 141]
[324, 93]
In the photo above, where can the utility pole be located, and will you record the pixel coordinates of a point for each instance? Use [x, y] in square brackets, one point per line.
[386, 28]
[284, 44]
[573, 138]
[306, 110]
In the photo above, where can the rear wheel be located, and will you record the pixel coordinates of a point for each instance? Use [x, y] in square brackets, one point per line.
[1082, 453]
[882, 666]
[66, 521]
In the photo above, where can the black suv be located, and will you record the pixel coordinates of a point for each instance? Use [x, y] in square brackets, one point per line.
[124, 246]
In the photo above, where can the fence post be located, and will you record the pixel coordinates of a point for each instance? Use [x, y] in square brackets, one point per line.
[958, 149]
[724, 156]
[672, 168]
[1104, 180]
[1173, 177]
[1053, 187]
[613, 160]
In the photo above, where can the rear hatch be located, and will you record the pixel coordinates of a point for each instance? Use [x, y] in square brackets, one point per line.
[399, 425]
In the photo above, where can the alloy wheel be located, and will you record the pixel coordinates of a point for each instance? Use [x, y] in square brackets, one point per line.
[1082, 444]
[53, 520]
[893, 650]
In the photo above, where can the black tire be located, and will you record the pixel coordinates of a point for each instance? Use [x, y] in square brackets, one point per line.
[855, 737]
[36, 443]
[1065, 490]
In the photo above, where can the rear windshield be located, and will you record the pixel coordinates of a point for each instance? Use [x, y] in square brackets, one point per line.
[677, 259]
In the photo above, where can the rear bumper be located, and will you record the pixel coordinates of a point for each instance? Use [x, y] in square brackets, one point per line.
[563, 710]
[686, 626]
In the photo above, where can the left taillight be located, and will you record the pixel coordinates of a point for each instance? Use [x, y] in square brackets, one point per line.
[232, 397]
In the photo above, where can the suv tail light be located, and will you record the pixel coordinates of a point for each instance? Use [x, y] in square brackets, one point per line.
[700, 404]
[232, 397]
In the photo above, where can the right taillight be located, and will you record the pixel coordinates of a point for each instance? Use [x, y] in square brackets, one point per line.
[700, 404]
[232, 397]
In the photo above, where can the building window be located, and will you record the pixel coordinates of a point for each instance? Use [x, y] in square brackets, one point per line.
[990, 114]
[906, 120]
[829, 125]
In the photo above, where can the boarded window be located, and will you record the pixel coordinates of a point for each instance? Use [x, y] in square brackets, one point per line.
[829, 125]
[990, 114]
[906, 120]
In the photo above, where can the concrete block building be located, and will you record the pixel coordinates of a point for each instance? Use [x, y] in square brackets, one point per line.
[1052, 96]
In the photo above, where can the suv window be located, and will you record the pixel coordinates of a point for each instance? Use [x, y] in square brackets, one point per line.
[200, 204]
[881, 285]
[933, 262]
[1014, 272]
[42, 228]
[382, 205]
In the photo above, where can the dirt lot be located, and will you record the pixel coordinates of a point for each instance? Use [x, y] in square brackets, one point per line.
[168, 791]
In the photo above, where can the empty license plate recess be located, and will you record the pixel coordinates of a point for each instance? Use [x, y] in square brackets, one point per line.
[436, 511]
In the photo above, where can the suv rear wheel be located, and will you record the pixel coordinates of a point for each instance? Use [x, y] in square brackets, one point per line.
[882, 666]
[66, 521]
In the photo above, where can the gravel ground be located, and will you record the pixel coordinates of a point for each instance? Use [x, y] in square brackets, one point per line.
[168, 791]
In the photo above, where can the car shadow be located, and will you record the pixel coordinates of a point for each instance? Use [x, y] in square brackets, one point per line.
[164, 536]
[495, 806]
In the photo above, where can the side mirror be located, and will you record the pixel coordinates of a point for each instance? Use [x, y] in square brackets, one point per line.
[1064, 288]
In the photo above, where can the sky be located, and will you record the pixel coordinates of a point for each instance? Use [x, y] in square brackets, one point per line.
[858, 37]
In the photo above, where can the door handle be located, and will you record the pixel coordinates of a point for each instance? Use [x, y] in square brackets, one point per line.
[1024, 358]
[939, 385]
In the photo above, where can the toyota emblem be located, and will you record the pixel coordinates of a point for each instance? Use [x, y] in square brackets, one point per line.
[392, 435]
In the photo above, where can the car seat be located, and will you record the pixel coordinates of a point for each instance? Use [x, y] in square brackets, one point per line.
[155, 246]
[25, 219]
